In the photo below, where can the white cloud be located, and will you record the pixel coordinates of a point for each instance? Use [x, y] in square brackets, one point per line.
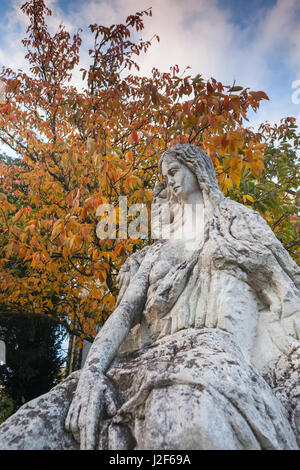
[197, 33]
[282, 29]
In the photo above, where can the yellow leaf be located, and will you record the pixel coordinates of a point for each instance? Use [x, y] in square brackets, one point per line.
[247, 196]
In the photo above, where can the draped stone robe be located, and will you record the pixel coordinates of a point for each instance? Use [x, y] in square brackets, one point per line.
[240, 280]
[217, 322]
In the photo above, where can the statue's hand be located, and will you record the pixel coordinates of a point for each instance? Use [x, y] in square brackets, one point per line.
[94, 400]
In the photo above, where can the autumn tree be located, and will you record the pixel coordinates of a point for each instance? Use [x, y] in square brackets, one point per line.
[33, 346]
[83, 148]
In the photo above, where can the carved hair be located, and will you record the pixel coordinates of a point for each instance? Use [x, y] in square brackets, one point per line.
[200, 164]
[238, 236]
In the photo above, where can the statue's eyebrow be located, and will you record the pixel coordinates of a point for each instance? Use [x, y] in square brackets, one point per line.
[173, 166]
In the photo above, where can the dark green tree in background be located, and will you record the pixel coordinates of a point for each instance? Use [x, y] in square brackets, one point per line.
[34, 356]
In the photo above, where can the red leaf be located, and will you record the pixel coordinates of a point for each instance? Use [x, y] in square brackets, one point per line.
[134, 136]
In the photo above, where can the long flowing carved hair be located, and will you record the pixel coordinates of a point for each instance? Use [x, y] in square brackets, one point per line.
[240, 237]
[200, 164]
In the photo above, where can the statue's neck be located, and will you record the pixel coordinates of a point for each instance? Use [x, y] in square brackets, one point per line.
[188, 224]
[192, 198]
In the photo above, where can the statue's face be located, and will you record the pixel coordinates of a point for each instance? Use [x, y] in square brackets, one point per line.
[180, 179]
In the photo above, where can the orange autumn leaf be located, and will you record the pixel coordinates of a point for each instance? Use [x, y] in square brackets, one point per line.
[80, 148]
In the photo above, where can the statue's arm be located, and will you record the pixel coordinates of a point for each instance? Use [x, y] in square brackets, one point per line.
[133, 281]
[118, 325]
[95, 397]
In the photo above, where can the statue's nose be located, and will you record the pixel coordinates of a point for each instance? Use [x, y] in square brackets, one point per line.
[171, 181]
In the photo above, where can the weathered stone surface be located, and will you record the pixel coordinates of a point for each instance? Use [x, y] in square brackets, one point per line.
[190, 390]
[194, 390]
[284, 379]
[39, 424]
[201, 320]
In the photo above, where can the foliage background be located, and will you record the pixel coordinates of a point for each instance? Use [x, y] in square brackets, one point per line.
[78, 149]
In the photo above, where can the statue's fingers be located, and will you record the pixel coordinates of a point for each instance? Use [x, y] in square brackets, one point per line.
[297, 328]
[68, 419]
[73, 421]
[83, 438]
[111, 402]
[82, 416]
[82, 425]
[74, 418]
[94, 413]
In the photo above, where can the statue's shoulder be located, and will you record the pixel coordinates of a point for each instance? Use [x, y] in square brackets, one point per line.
[137, 257]
[248, 225]
[132, 264]
[247, 221]
[234, 208]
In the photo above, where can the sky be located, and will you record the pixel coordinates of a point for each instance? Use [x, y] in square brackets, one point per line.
[254, 43]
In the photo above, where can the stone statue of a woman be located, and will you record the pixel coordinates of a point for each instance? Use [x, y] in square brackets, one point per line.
[202, 350]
